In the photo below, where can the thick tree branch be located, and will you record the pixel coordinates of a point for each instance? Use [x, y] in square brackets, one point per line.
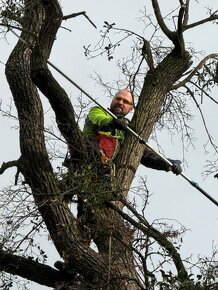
[47, 84]
[60, 102]
[59, 220]
[181, 42]
[31, 270]
[9, 164]
[186, 14]
[36, 166]
[175, 36]
[170, 34]
[181, 19]
[147, 229]
[147, 54]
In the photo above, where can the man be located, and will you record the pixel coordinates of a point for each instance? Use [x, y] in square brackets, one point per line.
[104, 134]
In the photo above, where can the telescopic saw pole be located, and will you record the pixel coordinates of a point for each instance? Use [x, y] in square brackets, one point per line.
[193, 183]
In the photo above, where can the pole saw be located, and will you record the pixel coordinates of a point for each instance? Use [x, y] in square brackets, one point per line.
[141, 140]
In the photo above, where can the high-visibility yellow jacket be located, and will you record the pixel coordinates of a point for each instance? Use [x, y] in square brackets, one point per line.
[98, 121]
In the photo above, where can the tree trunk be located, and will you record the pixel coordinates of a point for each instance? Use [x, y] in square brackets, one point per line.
[113, 266]
[34, 160]
[157, 84]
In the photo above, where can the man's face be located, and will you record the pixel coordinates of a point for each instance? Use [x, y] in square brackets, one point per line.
[122, 104]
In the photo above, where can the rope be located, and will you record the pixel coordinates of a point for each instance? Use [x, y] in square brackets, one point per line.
[109, 259]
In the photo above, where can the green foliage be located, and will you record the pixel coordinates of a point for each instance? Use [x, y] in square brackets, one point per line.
[92, 182]
[200, 282]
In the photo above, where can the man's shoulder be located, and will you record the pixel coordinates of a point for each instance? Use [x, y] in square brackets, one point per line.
[96, 108]
[99, 110]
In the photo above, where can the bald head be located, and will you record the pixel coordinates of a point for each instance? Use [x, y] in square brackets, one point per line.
[125, 93]
[122, 103]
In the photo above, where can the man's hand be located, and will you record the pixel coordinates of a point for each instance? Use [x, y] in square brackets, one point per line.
[120, 124]
[176, 167]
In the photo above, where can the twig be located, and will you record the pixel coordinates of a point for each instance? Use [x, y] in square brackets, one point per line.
[212, 17]
[202, 117]
[78, 14]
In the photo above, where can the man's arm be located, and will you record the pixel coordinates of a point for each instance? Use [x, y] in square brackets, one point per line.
[153, 161]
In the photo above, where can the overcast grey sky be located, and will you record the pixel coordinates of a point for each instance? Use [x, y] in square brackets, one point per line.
[173, 197]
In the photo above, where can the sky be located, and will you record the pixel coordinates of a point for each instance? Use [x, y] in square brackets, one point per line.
[173, 198]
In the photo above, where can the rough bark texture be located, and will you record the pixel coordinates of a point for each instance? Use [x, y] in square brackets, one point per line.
[156, 85]
[26, 70]
[34, 161]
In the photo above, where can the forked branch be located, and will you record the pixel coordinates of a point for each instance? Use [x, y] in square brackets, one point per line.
[212, 17]
[147, 229]
[175, 36]
[194, 71]
[170, 34]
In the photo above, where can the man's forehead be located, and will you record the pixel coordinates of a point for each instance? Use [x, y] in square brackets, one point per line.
[124, 93]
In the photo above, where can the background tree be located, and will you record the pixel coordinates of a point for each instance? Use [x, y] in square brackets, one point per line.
[162, 78]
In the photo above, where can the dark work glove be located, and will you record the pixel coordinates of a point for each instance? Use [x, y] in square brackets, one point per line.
[120, 124]
[176, 168]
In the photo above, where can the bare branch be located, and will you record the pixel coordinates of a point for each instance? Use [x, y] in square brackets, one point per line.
[199, 66]
[203, 91]
[147, 54]
[31, 270]
[72, 15]
[186, 15]
[10, 27]
[212, 17]
[146, 228]
[7, 165]
[181, 19]
[170, 34]
[181, 42]
[78, 14]
[175, 36]
[202, 117]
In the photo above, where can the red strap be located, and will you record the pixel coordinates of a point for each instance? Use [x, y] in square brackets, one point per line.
[107, 144]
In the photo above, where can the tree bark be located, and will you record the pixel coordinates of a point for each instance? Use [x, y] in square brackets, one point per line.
[113, 266]
[34, 161]
[32, 270]
[157, 84]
